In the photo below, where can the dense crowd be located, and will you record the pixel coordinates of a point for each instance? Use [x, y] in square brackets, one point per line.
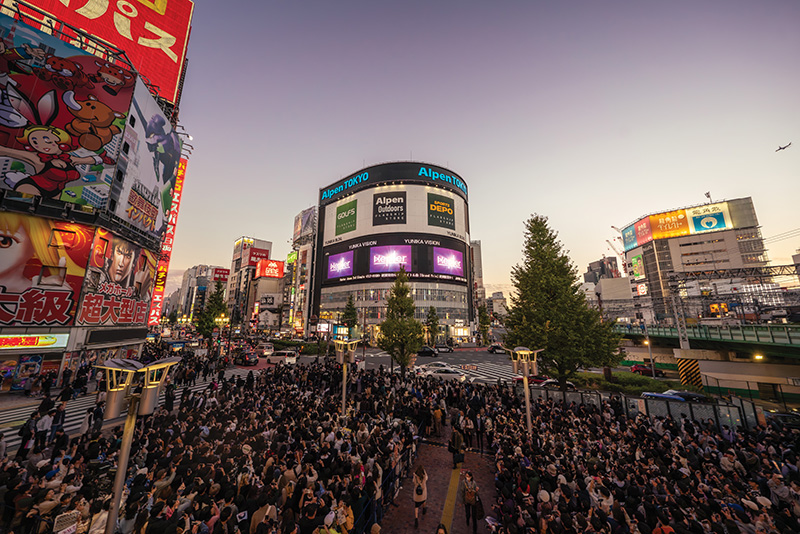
[272, 452]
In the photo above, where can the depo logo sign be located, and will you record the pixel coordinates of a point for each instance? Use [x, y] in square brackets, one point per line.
[346, 217]
[441, 211]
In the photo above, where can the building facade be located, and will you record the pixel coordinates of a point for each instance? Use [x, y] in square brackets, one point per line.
[247, 252]
[196, 284]
[384, 217]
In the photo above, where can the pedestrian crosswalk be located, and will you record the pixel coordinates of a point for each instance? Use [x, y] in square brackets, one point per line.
[489, 372]
[13, 418]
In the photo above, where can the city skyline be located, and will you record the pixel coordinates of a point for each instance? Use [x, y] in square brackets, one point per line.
[591, 115]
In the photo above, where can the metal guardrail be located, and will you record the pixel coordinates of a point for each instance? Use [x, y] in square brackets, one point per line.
[773, 334]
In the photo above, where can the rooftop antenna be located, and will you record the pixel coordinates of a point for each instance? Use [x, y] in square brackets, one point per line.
[708, 196]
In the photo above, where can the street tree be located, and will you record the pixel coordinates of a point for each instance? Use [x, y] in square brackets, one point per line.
[549, 311]
[401, 334]
[432, 324]
[173, 317]
[350, 315]
[214, 308]
[483, 324]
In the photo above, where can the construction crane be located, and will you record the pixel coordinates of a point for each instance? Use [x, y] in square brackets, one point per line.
[623, 267]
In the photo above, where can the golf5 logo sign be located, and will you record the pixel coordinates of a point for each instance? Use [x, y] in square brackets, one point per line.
[441, 211]
[389, 208]
[346, 217]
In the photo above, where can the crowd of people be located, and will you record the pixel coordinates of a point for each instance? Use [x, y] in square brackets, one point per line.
[273, 453]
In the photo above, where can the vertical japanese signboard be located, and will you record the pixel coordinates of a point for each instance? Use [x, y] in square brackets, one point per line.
[157, 304]
[42, 265]
[153, 34]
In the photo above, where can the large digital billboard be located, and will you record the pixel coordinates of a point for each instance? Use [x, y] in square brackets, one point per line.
[269, 269]
[61, 118]
[676, 223]
[379, 257]
[149, 160]
[389, 259]
[42, 266]
[304, 223]
[153, 34]
[118, 283]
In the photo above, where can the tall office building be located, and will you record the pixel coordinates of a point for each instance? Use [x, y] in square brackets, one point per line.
[247, 252]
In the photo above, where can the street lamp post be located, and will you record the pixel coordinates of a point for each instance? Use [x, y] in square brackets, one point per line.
[222, 321]
[141, 403]
[523, 355]
[344, 354]
[649, 350]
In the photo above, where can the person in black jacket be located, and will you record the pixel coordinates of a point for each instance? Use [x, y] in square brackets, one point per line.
[26, 433]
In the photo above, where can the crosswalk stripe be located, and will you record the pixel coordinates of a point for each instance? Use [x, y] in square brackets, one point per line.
[12, 419]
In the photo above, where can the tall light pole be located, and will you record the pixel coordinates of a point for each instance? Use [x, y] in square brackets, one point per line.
[221, 321]
[523, 355]
[649, 351]
[344, 354]
[141, 403]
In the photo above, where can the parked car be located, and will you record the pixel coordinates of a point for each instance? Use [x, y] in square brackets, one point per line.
[247, 358]
[427, 351]
[433, 366]
[662, 396]
[496, 348]
[282, 356]
[441, 347]
[645, 370]
[552, 383]
[689, 396]
[779, 420]
[447, 374]
[532, 379]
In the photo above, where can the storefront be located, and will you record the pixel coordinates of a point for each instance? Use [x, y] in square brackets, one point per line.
[25, 356]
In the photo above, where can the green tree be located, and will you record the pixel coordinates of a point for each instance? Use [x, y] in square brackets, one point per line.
[173, 317]
[214, 308]
[401, 335]
[483, 324]
[432, 324]
[549, 311]
[350, 315]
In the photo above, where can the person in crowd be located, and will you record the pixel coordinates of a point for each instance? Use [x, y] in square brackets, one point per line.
[420, 484]
[469, 496]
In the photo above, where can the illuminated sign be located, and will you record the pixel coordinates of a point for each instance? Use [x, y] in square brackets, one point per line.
[269, 269]
[33, 341]
[709, 218]
[346, 184]
[340, 265]
[255, 255]
[220, 275]
[346, 217]
[441, 211]
[153, 33]
[641, 290]
[389, 208]
[677, 223]
[389, 259]
[669, 224]
[629, 237]
[433, 175]
[291, 257]
[448, 261]
[159, 286]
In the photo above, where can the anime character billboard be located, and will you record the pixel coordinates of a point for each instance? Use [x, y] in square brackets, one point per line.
[118, 282]
[42, 265]
[62, 112]
[150, 165]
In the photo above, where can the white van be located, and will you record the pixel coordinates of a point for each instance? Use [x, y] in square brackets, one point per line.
[288, 357]
[265, 349]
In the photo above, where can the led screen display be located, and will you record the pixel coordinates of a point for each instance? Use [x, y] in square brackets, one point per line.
[340, 265]
[448, 261]
[389, 259]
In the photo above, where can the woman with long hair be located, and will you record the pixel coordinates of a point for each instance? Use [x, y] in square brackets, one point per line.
[420, 493]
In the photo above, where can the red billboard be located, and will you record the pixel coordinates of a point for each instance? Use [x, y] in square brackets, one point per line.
[220, 275]
[157, 303]
[255, 255]
[118, 283]
[42, 266]
[152, 33]
[269, 269]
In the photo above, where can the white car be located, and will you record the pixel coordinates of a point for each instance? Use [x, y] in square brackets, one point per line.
[288, 357]
[447, 374]
[265, 349]
[433, 366]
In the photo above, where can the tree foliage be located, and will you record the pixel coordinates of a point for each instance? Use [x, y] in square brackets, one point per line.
[350, 315]
[401, 335]
[483, 324]
[549, 311]
[214, 308]
[432, 324]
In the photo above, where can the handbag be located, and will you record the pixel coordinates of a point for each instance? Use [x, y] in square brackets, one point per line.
[479, 514]
[419, 490]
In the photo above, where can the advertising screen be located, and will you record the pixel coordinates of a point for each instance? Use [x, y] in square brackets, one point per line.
[441, 211]
[709, 218]
[42, 265]
[389, 208]
[118, 283]
[447, 261]
[61, 119]
[220, 275]
[629, 237]
[669, 224]
[167, 242]
[304, 223]
[389, 259]
[644, 231]
[255, 255]
[39, 341]
[340, 265]
[154, 34]
[637, 267]
[269, 269]
[346, 217]
[149, 161]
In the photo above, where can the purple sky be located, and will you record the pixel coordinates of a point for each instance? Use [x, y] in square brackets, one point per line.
[591, 113]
